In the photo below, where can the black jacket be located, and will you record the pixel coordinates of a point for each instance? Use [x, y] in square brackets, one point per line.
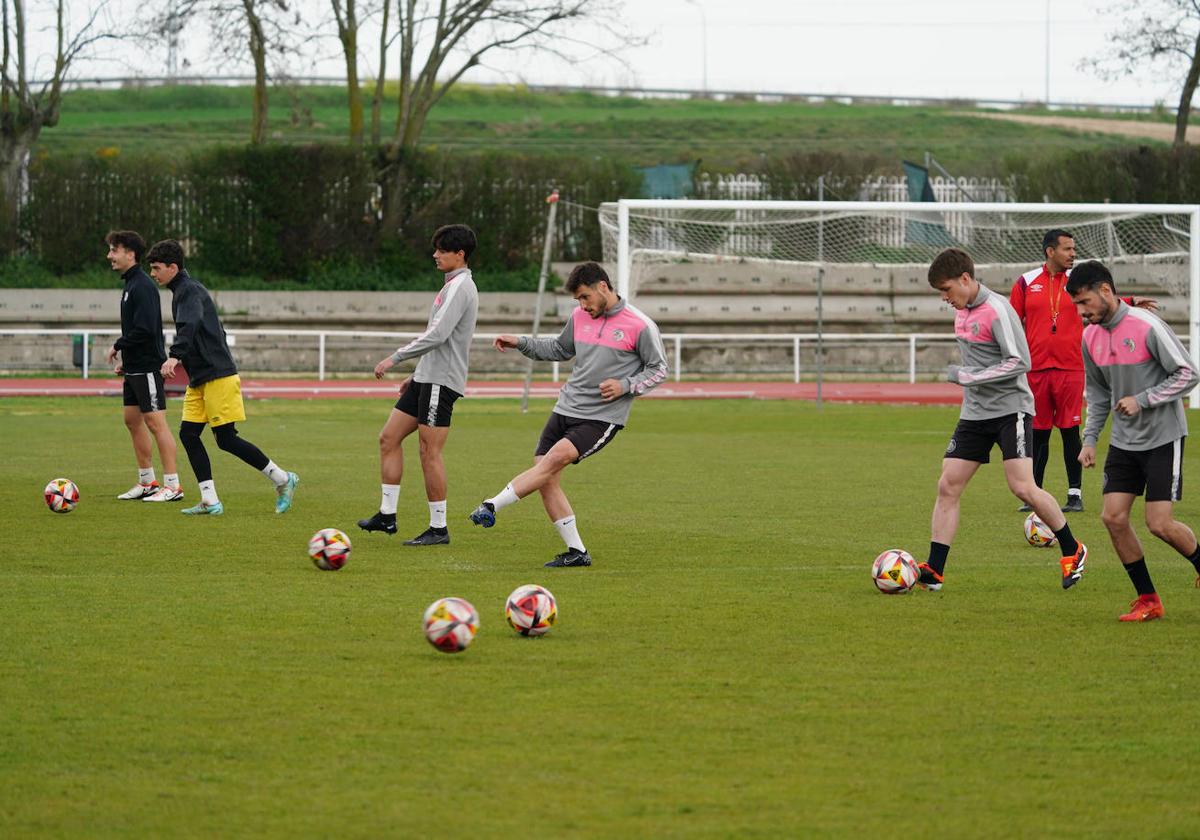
[141, 341]
[200, 343]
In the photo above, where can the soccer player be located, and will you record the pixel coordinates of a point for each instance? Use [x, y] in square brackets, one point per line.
[428, 395]
[1054, 333]
[142, 354]
[996, 409]
[214, 393]
[618, 355]
[1131, 356]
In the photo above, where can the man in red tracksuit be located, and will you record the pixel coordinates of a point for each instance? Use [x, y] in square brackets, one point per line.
[1054, 332]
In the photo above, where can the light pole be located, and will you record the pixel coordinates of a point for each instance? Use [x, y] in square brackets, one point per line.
[703, 41]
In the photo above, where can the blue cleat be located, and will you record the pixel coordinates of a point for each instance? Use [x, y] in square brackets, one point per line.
[286, 491]
[484, 515]
[204, 510]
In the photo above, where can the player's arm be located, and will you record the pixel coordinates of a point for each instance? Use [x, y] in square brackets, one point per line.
[1014, 358]
[1099, 404]
[189, 311]
[557, 349]
[1017, 298]
[1168, 351]
[654, 363]
[436, 334]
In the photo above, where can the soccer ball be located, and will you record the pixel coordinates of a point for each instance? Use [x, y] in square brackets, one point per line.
[894, 571]
[451, 624]
[62, 495]
[329, 549]
[1038, 532]
[531, 610]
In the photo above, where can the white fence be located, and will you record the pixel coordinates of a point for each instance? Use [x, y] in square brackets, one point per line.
[752, 187]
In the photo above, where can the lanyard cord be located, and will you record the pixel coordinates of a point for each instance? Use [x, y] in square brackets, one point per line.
[1055, 302]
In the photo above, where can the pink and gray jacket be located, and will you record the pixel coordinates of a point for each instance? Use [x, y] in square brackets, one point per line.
[622, 344]
[445, 346]
[995, 358]
[1135, 354]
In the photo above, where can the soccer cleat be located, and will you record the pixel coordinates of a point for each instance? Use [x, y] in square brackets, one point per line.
[166, 493]
[385, 522]
[1144, 608]
[139, 491]
[929, 579]
[1074, 504]
[569, 559]
[484, 515]
[1024, 509]
[285, 492]
[215, 509]
[431, 536]
[1073, 566]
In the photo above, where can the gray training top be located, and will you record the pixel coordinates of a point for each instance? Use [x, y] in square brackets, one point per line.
[995, 357]
[622, 344]
[445, 346]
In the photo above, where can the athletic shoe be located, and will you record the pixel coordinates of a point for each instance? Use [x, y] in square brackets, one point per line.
[139, 491]
[1073, 566]
[1074, 504]
[1024, 509]
[385, 522]
[166, 493]
[1144, 608]
[431, 536]
[283, 501]
[570, 559]
[484, 515]
[204, 510]
[929, 579]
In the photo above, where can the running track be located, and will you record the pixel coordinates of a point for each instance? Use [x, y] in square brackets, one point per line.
[923, 393]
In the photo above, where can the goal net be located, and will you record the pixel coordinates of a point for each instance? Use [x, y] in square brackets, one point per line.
[814, 249]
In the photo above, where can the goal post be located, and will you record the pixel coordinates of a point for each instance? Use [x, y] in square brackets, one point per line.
[1156, 244]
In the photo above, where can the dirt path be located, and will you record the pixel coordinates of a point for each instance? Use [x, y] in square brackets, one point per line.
[1126, 128]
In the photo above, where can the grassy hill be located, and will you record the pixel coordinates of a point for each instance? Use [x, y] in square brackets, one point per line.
[723, 135]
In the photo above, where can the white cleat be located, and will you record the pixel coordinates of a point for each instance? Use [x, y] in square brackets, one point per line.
[139, 491]
[165, 493]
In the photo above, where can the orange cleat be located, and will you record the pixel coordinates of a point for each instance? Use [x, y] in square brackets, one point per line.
[1144, 608]
[929, 579]
[1073, 566]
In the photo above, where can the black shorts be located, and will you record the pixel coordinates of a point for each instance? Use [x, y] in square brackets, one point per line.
[1158, 472]
[587, 436]
[145, 390]
[430, 403]
[973, 439]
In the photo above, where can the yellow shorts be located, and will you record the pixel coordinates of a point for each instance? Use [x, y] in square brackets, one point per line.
[216, 402]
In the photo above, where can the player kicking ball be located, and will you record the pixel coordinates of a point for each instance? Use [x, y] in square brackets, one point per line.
[618, 355]
[1132, 355]
[997, 408]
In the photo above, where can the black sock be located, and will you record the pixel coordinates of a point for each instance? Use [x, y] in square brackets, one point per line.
[1041, 454]
[439, 531]
[1066, 541]
[938, 552]
[1194, 558]
[1139, 575]
[1072, 444]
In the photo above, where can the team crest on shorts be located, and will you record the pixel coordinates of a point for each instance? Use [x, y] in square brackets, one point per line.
[618, 335]
[1104, 482]
[953, 445]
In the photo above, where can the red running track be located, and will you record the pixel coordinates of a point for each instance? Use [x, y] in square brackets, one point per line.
[922, 393]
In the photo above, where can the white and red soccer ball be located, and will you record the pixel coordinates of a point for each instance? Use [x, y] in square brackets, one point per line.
[1038, 533]
[531, 610]
[329, 549]
[62, 495]
[894, 571]
[450, 624]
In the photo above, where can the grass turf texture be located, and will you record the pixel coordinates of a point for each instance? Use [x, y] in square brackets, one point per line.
[725, 669]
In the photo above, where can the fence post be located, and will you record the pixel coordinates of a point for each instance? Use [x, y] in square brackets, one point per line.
[678, 356]
[912, 360]
[796, 359]
[321, 357]
[554, 370]
[86, 340]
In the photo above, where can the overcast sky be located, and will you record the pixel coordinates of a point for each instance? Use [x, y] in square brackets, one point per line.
[942, 48]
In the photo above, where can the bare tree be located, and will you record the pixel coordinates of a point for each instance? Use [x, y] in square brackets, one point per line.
[27, 107]
[344, 13]
[385, 43]
[1165, 32]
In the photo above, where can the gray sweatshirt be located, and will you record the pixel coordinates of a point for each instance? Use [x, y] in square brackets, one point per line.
[1134, 354]
[995, 357]
[622, 344]
[445, 346]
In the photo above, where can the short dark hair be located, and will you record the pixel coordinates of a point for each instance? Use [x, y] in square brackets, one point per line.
[1089, 275]
[453, 238]
[587, 274]
[950, 264]
[1050, 240]
[130, 240]
[167, 252]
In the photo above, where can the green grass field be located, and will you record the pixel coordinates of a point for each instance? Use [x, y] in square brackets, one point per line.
[726, 669]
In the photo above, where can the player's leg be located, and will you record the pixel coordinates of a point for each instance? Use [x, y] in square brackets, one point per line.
[558, 508]
[432, 441]
[1124, 480]
[1164, 487]
[156, 422]
[546, 466]
[1040, 383]
[223, 402]
[136, 400]
[1068, 412]
[401, 423]
[956, 473]
[189, 437]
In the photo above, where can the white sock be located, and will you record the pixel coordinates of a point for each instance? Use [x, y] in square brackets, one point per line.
[171, 479]
[391, 497]
[146, 476]
[1075, 491]
[507, 496]
[272, 471]
[437, 514]
[569, 533]
[208, 492]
